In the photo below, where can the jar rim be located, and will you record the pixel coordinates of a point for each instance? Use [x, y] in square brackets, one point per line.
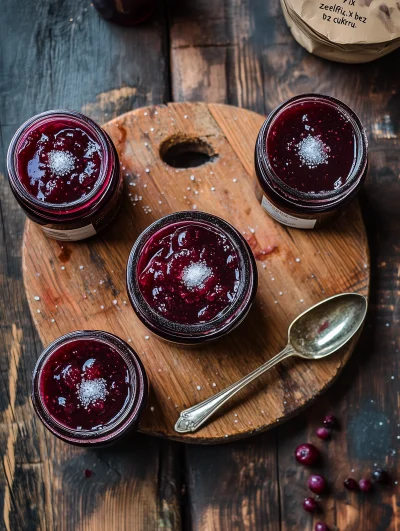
[226, 320]
[29, 125]
[288, 193]
[131, 411]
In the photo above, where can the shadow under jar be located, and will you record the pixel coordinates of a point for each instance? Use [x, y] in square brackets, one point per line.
[65, 174]
[125, 12]
[191, 277]
[310, 160]
[89, 388]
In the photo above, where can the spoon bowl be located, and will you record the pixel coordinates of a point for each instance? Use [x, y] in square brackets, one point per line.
[326, 327]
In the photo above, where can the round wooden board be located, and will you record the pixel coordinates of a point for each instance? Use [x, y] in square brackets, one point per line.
[81, 285]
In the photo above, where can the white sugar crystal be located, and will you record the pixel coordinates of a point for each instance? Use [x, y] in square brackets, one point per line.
[312, 151]
[61, 162]
[90, 391]
[194, 275]
[192, 178]
[147, 337]
[81, 267]
[37, 298]
[297, 259]
[199, 387]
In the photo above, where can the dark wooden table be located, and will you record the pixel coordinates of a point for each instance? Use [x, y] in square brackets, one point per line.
[62, 54]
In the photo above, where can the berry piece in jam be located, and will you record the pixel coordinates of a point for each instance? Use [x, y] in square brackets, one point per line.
[311, 146]
[59, 161]
[85, 384]
[189, 272]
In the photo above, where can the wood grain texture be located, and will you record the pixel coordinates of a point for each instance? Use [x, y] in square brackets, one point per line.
[49, 61]
[231, 51]
[241, 52]
[82, 285]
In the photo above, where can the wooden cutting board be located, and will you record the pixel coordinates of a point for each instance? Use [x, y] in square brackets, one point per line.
[82, 285]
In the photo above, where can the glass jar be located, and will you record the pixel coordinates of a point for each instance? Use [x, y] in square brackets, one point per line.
[65, 174]
[125, 12]
[310, 160]
[191, 277]
[89, 388]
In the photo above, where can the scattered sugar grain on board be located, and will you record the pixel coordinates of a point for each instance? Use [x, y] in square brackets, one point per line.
[297, 260]
[62, 268]
[147, 337]
[152, 408]
[81, 267]
[198, 387]
[192, 178]
[38, 311]
[37, 298]
[90, 391]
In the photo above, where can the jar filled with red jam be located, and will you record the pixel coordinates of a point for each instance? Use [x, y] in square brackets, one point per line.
[89, 388]
[191, 277]
[64, 172]
[310, 160]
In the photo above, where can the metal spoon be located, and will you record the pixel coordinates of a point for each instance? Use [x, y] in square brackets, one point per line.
[316, 333]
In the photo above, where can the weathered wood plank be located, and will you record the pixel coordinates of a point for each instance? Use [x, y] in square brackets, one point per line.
[50, 61]
[242, 53]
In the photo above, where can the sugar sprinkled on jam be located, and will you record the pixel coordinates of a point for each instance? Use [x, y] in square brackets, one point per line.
[189, 272]
[59, 161]
[85, 384]
[311, 146]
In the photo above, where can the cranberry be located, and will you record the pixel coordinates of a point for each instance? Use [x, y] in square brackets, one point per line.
[310, 505]
[381, 476]
[330, 421]
[316, 484]
[320, 526]
[88, 473]
[365, 485]
[307, 454]
[350, 484]
[323, 433]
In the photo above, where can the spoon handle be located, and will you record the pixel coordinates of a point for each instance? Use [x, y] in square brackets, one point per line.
[192, 418]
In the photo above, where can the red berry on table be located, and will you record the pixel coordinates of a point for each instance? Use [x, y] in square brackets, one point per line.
[350, 484]
[381, 476]
[320, 526]
[365, 485]
[307, 454]
[323, 433]
[310, 505]
[316, 484]
[330, 421]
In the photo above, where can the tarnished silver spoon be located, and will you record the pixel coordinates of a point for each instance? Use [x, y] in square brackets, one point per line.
[316, 333]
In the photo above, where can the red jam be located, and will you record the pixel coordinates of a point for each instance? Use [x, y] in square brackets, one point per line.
[189, 272]
[59, 161]
[311, 146]
[85, 384]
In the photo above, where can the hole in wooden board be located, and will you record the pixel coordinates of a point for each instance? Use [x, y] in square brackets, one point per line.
[181, 151]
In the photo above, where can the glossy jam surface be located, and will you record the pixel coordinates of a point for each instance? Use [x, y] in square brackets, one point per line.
[59, 161]
[85, 384]
[311, 146]
[189, 272]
